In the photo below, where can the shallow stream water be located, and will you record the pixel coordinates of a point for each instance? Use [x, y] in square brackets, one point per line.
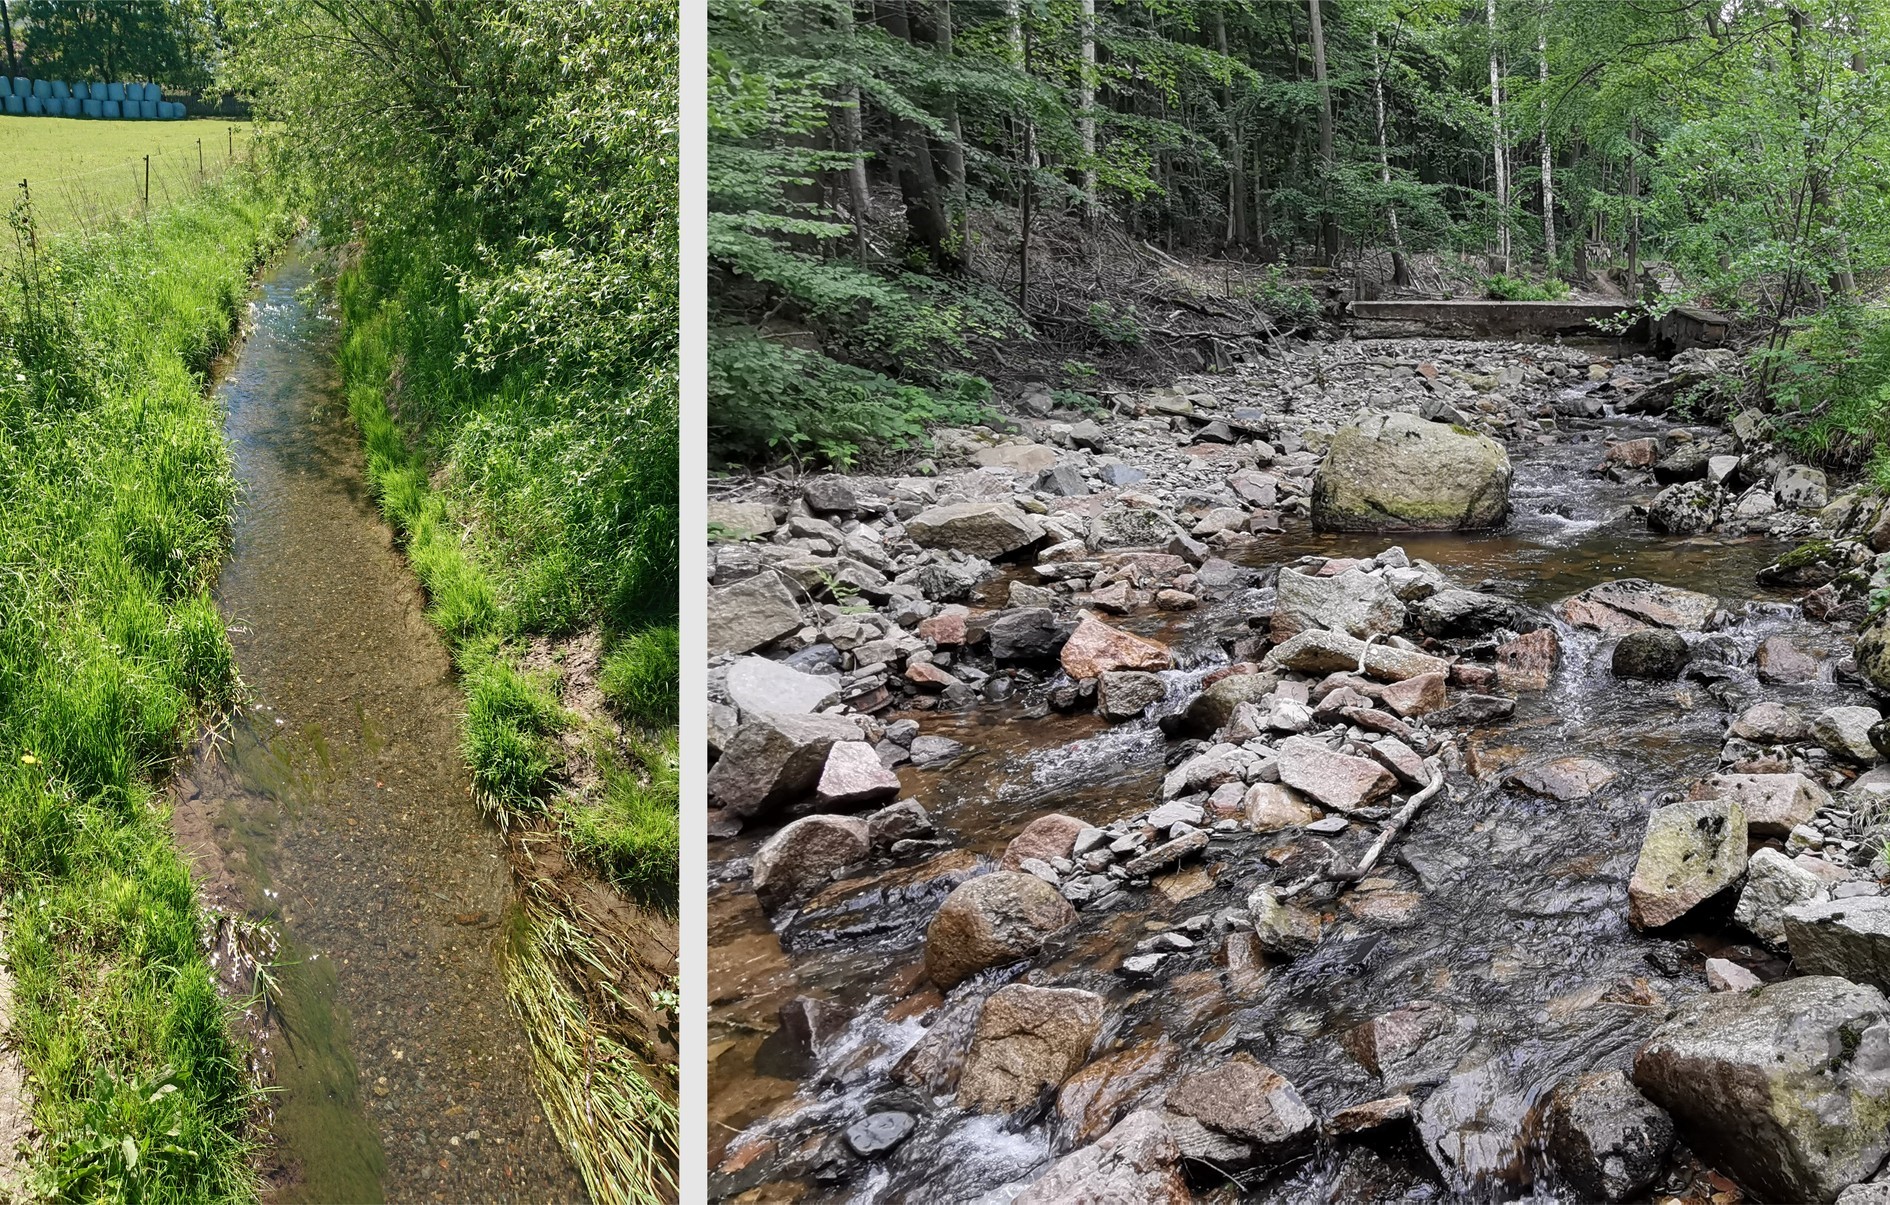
[336, 811]
[1506, 909]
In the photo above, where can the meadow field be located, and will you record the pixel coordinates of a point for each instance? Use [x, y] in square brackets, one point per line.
[83, 173]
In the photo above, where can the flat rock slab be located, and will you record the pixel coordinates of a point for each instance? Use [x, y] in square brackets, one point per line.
[759, 684]
[1322, 652]
[1850, 938]
[1337, 780]
[1564, 779]
[1632, 604]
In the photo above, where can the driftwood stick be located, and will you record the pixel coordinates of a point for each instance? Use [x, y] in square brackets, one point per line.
[1397, 825]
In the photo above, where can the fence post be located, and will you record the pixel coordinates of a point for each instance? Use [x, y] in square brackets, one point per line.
[200, 158]
[147, 183]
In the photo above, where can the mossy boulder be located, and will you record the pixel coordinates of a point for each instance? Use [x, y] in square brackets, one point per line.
[1872, 651]
[1399, 472]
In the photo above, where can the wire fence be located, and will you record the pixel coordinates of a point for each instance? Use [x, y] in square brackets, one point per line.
[146, 179]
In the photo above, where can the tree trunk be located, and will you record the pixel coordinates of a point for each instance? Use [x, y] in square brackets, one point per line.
[955, 149]
[6, 30]
[1020, 41]
[1548, 165]
[1086, 113]
[1634, 211]
[1328, 222]
[858, 194]
[1400, 271]
[927, 228]
[1499, 156]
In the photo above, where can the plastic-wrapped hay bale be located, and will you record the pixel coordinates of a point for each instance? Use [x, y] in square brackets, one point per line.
[69, 106]
[81, 91]
[15, 106]
[22, 87]
[35, 107]
[42, 89]
[6, 89]
[60, 91]
[111, 111]
[147, 109]
[114, 92]
[153, 93]
[93, 108]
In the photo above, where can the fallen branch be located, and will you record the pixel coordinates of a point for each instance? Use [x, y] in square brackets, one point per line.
[1397, 825]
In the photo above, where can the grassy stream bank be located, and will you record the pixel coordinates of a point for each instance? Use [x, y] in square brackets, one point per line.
[115, 502]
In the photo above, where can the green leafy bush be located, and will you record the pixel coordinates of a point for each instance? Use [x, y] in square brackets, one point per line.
[1512, 288]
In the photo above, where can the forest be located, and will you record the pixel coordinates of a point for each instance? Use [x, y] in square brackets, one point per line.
[899, 188]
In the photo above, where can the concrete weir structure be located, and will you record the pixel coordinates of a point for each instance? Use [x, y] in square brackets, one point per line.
[1685, 327]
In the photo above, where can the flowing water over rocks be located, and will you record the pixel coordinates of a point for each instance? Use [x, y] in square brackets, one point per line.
[332, 823]
[1478, 1013]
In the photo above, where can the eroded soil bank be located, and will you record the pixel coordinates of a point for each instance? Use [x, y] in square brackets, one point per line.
[332, 823]
[1070, 680]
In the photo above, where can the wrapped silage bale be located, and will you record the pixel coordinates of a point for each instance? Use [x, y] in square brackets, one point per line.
[70, 106]
[147, 109]
[111, 110]
[93, 108]
[33, 107]
[60, 91]
[81, 91]
[153, 93]
[22, 87]
[6, 89]
[15, 106]
[114, 92]
[42, 89]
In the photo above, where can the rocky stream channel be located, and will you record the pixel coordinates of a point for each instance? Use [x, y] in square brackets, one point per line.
[1392, 770]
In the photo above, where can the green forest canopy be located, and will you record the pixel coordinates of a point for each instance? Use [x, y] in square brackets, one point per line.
[171, 42]
[882, 173]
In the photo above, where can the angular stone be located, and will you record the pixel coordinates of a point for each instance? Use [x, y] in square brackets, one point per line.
[1378, 1043]
[1248, 1100]
[1780, 660]
[1528, 662]
[1415, 696]
[1786, 1088]
[1024, 634]
[1685, 508]
[1472, 1127]
[1770, 724]
[853, 777]
[740, 520]
[758, 684]
[1210, 711]
[1565, 779]
[1270, 807]
[1606, 1139]
[983, 529]
[992, 920]
[1849, 937]
[1337, 780]
[1773, 884]
[1370, 1115]
[1402, 760]
[1658, 655]
[1692, 852]
[1801, 487]
[802, 857]
[1125, 694]
[754, 611]
[1281, 928]
[1845, 731]
[1095, 648]
[1724, 975]
[878, 1133]
[1167, 854]
[1456, 612]
[1774, 804]
[1630, 604]
[774, 760]
[1319, 652]
[897, 822]
[1139, 1160]
[1028, 1041]
[1356, 603]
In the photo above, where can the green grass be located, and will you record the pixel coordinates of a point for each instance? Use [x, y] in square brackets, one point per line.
[86, 173]
[528, 516]
[115, 499]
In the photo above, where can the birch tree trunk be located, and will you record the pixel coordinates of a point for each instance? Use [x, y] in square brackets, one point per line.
[1548, 158]
[1499, 157]
[1400, 271]
[1086, 117]
[858, 194]
[954, 149]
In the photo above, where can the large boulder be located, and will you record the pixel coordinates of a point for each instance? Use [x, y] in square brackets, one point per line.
[1095, 648]
[1692, 852]
[754, 611]
[1399, 472]
[1845, 731]
[1457, 612]
[1209, 711]
[1774, 804]
[803, 856]
[775, 759]
[1842, 937]
[1046, 839]
[983, 529]
[1872, 651]
[1028, 1041]
[1359, 604]
[991, 920]
[758, 684]
[1787, 1087]
[1604, 1137]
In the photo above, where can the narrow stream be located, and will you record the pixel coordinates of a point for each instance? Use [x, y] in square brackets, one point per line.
[336, 809]
[1505, 909]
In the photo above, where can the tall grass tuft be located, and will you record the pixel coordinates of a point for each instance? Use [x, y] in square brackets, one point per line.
[115, 500]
